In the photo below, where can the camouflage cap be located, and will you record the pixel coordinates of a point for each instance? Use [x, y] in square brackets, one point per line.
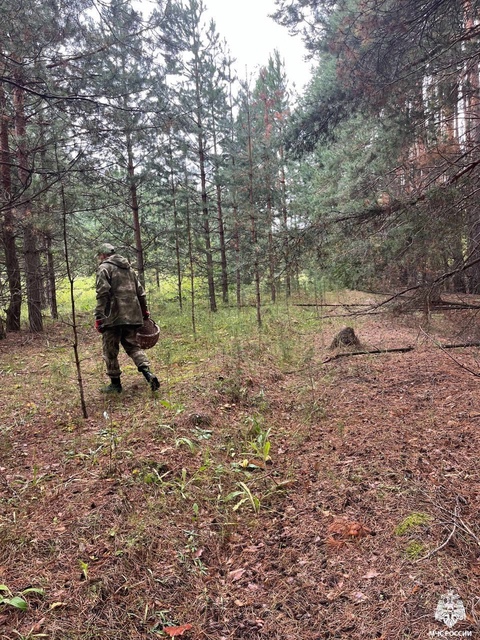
[106, 248]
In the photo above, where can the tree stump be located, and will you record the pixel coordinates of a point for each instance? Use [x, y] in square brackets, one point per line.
[345, 338]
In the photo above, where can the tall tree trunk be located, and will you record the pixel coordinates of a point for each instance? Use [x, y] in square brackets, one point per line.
[223, 250]
[12, 265]
[173, 191]
[253, 222]
[52, 287]
[268, 186]
[33, 277]
[203, 186]
[236, 221]
[50, 284]
[238, 257]
[135, 210]
[30, 246]
[286, 242]
[472, 122]
[208, 244]
[271, 247]
[191, 259]
[221, 223]
[455, 251]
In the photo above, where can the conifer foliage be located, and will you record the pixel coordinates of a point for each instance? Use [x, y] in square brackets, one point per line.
[131, 125]
[138, 118]
[393, 110]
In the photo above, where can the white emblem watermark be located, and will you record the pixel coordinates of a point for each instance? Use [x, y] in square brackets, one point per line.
[450, 610]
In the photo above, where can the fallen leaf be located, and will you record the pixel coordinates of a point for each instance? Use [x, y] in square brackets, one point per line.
[37, 626]
[358, 597]
[371, 574]
[236, 574]
[335, 593]
[173, 632]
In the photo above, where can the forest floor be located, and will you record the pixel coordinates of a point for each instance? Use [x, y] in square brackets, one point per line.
[263, 492]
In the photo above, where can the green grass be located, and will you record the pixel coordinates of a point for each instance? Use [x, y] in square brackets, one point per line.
[412, 522]
[83, 292]
[415, 550]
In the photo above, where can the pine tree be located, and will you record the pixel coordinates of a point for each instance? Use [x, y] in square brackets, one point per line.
[125, 123]
[198, 84]
[34, 36]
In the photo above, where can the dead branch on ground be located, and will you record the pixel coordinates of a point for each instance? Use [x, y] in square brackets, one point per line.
[457, 524]
[368, 352]
[454, 346]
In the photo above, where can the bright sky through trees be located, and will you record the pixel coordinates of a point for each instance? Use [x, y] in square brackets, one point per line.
[252, 36]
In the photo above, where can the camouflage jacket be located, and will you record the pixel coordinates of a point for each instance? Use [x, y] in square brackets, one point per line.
[121, 298]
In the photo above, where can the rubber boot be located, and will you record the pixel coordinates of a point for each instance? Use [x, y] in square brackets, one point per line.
[115, 386]
[150, 377]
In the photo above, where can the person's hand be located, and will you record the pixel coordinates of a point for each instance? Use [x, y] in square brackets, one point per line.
[146, 314]
[99, 325]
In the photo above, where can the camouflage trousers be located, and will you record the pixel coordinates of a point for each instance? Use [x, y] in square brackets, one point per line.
[126, 336]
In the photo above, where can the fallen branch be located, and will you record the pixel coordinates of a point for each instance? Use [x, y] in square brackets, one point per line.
[459, 345]
[457, 523]
[364, 353]
[368, 312]
[443, 347]
[405, 350]
[353, 314]
[447, 539]
[393, 350]
[324, 304]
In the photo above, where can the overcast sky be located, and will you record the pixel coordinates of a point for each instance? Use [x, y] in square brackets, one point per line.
[252, 36]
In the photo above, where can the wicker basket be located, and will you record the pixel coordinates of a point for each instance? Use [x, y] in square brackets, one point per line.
[147, 336]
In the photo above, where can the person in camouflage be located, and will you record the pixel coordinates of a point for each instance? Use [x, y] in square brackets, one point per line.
[121, 309]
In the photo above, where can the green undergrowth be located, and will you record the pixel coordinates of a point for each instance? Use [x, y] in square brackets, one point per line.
[142, 499]
[210, 502]
[412, 522]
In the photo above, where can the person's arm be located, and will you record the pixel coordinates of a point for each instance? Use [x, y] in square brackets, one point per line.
[103, 293]
[142, 297]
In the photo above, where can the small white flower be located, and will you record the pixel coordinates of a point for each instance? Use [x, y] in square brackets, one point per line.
[106, 416]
